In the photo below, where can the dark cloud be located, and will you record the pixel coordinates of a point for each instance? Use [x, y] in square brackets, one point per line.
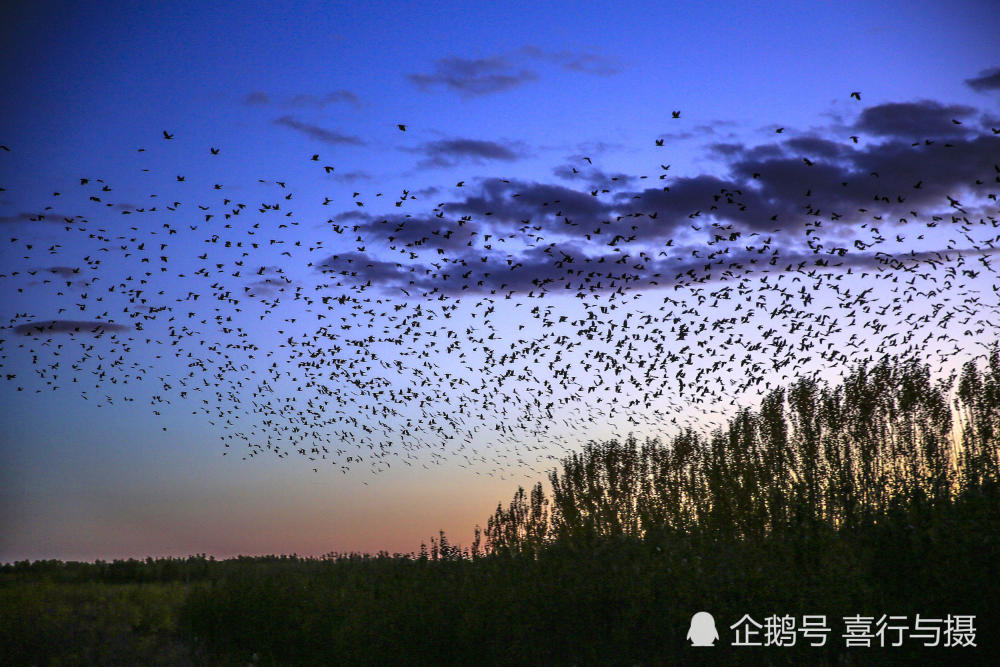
[660, 215]
[567, 268]
[988, 79]
[726, 150]
[450, 152]
[595, 178]
[257, 98]
[470, 77]
[514, 235]
[814, 147]
[47, 216]
[64, 271]
[511, 202]
[353, 215]
[417, 233]
[769, 187]
[41, 327]
[914, 120]
[320, 133]
[894, 176]
[352, 176]
[360, 268]
[428, 191]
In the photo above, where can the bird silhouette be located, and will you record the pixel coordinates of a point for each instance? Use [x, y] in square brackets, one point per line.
[505, 319]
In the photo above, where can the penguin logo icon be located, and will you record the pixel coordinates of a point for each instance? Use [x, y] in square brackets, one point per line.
[702, 631]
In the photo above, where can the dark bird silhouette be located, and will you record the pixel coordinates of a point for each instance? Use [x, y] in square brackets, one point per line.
[391, 334]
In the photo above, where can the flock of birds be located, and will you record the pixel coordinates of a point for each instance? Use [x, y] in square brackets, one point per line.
[417, 338]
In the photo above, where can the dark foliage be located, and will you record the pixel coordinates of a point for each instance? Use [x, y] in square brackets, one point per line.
[878, 496]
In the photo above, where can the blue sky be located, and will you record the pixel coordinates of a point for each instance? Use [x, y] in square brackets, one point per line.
[530, 108]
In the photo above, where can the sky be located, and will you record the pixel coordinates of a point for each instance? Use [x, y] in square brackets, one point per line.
[332, 277]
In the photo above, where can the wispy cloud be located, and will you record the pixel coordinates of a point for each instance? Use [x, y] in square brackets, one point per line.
[471, 77]
[64, 271]
[48, 216]
[484, 76]
[40, 327]
[584, 61]
[257, 98]
[311, 100]
[320, 101]
[450, 152]
[320, 133]
[352, 176]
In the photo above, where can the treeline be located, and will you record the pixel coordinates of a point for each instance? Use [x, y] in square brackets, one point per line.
[878, 496]
[887, 437]
[190, 569]
[118, 571]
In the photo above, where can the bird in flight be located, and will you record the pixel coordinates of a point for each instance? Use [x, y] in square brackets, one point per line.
[167, 135]
[621, 335]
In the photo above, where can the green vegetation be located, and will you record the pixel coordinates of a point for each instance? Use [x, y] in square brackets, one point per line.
[91, 623]
[878, 496]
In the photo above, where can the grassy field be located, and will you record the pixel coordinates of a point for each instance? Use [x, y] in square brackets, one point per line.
[92, 623]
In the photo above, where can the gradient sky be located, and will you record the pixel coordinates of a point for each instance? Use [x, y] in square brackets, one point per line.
[505, 99]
